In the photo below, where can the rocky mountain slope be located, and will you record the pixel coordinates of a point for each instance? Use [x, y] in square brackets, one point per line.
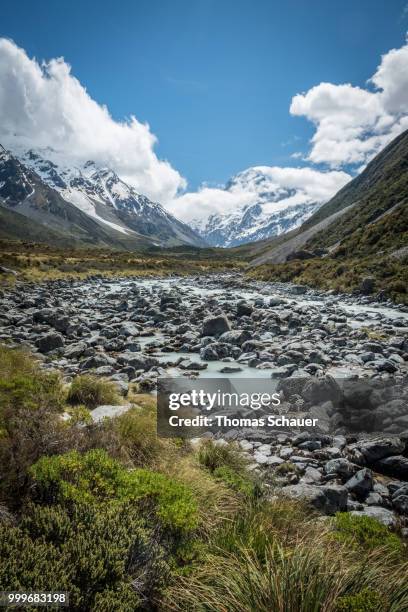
[357, 241]
[275, 211]
[86, 204]
[368, 215]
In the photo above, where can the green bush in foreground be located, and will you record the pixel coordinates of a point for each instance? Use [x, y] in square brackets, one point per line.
[365, 532]
[96, 477]
[367, 600]
[94, 553]
[91, 392]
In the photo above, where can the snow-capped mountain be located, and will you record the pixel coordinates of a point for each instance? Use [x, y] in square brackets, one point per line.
[271, 211]
[100, 194]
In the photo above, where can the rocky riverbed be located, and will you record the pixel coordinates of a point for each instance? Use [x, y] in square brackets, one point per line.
[134, 331]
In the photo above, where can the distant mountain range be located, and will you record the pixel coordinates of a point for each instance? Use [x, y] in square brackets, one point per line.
[84, 204]
[45, 200]
[277, 210]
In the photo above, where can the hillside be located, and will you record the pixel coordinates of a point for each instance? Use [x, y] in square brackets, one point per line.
[382, 186]
[85, 206]
[362, 230]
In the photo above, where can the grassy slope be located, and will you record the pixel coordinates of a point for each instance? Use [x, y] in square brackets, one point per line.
[363, 241]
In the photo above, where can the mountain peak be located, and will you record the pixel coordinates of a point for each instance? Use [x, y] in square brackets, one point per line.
[271, 211]
[98, 192]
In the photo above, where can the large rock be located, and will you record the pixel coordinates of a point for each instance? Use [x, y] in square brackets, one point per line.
[329, 499]
[324, 389]
[244, 309]
[340, 467]
[138, 361]
[370, 451]
[209, 353]
[75, 350]
[108, 411]
[235, 336]
[360, 484]
[400, 502]
[396, 466]
[382, 515]
[215, 326]
[96, 361]
[50, 342]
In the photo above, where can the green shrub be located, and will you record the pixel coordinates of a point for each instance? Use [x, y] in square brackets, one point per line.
[367, 600]
[27, 435]
[237, 482]
[79, 415]
[23, 385]
[13, 361]
[96, 477]
[365, 532]
[93, 552]
[30, 391]
[92, 391]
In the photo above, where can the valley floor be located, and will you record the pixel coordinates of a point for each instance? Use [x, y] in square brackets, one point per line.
[126, 520]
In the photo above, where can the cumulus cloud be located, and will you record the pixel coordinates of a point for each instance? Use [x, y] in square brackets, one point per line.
[282, 187]
[44, 105]
[354, 123]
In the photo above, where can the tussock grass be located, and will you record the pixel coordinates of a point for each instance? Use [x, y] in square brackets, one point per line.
[212, 456]
[92, 391]
[276, 556]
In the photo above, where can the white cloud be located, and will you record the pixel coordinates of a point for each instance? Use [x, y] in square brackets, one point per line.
[354, 123]
[261, 183]
[44, 105]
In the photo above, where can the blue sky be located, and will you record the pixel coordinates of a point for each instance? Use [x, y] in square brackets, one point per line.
[214, 79]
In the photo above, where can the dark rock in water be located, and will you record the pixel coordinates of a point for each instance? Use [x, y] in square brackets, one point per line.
[138, 361]
[298, 289]
[50, 342]
[215, 326]
[188, 364]
[360, 484]
[230, 369]
[208, 353]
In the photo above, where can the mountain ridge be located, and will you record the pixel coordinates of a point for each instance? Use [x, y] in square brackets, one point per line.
[89, 204]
